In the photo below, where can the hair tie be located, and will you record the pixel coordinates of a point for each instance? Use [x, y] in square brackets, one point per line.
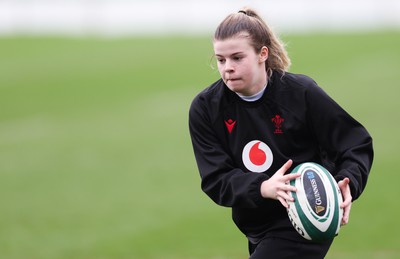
[241, 11]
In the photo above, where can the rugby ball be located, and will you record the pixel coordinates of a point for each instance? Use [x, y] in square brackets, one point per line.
[315, 212]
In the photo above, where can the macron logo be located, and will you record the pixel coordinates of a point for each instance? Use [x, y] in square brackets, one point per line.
[230, 124]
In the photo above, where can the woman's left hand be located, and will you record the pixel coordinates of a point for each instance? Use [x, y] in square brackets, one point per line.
[347, 199]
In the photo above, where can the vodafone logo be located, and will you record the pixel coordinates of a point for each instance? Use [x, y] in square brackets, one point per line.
[257, 156]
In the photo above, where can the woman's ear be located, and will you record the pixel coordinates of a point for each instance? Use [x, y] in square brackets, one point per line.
[263, 54]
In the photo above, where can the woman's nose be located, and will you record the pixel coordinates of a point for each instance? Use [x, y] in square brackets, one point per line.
[229, 67]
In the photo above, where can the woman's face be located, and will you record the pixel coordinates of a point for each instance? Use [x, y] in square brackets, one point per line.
[241, 68]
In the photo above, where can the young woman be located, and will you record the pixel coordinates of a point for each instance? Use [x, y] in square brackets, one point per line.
[258, 121]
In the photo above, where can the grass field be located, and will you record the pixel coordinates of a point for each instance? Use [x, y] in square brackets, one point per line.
[96, 160]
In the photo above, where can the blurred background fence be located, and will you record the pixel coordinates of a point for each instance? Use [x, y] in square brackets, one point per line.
[122, 17]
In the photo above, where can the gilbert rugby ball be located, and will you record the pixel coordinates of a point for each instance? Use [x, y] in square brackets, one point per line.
[315, 212]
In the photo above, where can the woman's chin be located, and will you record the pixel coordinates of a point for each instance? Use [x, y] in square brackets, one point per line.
[235, 86]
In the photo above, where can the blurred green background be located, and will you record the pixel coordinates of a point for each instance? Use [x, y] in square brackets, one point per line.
[96, 159]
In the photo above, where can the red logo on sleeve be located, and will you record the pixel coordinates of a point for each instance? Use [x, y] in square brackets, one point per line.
[230, 124]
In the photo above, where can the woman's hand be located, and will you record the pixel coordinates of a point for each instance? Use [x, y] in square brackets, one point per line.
[277, 186]
[347, 199]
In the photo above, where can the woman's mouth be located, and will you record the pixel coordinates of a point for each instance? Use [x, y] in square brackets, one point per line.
[232, 79]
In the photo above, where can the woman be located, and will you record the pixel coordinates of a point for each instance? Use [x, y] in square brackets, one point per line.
[258, 121]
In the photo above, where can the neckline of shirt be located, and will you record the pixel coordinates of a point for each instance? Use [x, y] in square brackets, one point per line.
[254, 97]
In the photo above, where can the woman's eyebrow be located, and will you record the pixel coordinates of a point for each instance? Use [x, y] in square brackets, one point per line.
[233, 54]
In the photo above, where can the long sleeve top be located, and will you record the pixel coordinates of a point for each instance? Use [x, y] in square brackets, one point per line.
[239, 144]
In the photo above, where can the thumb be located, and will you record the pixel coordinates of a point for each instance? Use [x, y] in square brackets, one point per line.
[344, 182]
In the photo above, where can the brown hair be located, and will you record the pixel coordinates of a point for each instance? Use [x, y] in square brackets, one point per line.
[248, 21]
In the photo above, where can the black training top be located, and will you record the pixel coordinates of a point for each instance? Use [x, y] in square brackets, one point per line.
[239, 144]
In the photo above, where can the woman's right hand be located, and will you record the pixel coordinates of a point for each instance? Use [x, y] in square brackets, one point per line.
[277, 187]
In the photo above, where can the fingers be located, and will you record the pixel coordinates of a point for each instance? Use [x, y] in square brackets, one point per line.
[345, 203]
[285, 167]
[285, 188]
[289, 177]
[344, 182]
[274, 189]
[285, 195]
[345, 189]
[283, 202]
[346, 215]
[347, 200]
[278, 187]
